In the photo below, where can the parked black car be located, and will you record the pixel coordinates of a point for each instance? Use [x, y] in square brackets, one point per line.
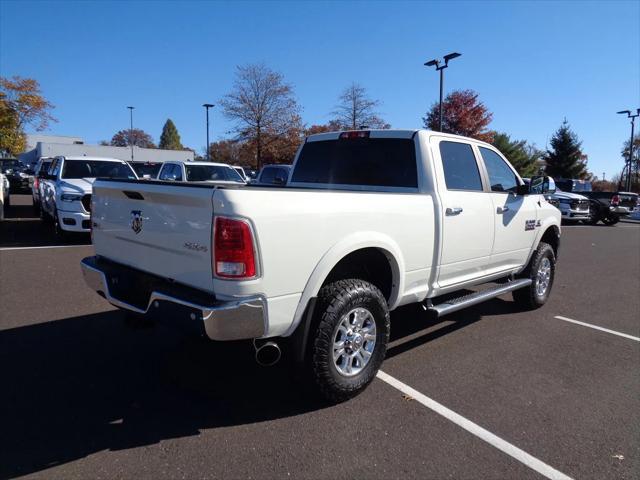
[605, 207]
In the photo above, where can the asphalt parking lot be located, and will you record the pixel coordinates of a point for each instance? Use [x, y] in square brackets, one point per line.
[85, 396]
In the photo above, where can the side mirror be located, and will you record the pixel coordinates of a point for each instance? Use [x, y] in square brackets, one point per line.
[542, 185]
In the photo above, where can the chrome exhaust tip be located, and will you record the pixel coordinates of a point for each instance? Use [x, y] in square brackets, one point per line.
[267, 354]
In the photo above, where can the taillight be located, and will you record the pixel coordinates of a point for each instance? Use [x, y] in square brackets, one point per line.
[354, 134]
[35, 182]
[233, 254]
[615, 200]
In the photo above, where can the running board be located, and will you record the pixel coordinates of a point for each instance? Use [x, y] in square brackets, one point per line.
[459, 303]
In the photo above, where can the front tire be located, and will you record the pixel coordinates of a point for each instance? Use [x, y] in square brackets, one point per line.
[541, 270]
[350, 339]
[611, 220]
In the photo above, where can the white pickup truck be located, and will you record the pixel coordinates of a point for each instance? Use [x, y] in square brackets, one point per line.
[368, 221]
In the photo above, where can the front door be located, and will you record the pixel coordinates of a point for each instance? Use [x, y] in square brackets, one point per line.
[467, 226]
[515, 215]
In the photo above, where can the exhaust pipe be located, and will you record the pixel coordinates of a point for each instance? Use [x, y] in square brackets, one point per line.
[267, 354]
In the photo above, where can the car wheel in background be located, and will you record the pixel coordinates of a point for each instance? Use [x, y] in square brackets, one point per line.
[350, 338]
[57, 228]
[541, 271]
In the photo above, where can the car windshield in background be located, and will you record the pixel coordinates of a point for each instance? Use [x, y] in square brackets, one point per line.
[150, 169]
[206, 173]
[582, 186]
[95, 169]
[383, 162]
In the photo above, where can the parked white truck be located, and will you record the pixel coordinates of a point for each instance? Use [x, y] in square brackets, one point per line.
[369, 221]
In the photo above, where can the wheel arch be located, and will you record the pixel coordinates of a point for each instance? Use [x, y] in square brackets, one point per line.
[354, 248]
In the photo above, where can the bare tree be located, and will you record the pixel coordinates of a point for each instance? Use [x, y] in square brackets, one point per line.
[262, 105]
[355, 109]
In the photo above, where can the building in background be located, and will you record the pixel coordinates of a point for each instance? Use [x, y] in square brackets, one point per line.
[53, 145]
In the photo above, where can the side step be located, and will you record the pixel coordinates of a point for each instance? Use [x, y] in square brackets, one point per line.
[459, 303]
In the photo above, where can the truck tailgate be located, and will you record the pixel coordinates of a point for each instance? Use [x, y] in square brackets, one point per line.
[160, 228]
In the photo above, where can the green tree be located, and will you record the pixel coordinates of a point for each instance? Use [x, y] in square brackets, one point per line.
[170, 138]
[522, 156]
[565, 158]
[464, 114]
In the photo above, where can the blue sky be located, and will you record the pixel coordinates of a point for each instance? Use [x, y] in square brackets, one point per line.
[533, 63]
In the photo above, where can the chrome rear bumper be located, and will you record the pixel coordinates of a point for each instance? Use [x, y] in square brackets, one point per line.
[243, 318]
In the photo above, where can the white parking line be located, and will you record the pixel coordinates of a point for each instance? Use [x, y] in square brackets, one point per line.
[38, 248]
[595, 327]
[502, 445]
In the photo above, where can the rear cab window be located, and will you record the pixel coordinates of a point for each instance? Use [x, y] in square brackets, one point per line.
[358, 162]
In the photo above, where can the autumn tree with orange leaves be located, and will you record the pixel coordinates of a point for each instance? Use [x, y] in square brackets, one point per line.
[21, 104]
[464, 114]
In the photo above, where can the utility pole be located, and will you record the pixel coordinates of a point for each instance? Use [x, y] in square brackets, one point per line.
[131, 130]
[440, 67]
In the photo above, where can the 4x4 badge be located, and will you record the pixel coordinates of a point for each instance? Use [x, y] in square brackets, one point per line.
[136, 221]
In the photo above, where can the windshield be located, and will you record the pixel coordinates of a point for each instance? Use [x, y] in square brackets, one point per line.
[204, 173]
[143, 169]
[96, 168]
[581, 186]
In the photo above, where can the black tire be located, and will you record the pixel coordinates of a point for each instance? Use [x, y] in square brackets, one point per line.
[529, 298]
[57, 228]
[44, 216]
[335, 301]
[594, 215]
[36, 208]
[611, 220]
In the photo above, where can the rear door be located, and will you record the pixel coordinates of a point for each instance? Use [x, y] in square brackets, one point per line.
[515, 215]
[467, 230]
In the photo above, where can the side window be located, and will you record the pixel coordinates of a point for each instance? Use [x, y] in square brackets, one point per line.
[501, 177]
[460, 167]
[165, 174]
[177, 173]
[55, 167]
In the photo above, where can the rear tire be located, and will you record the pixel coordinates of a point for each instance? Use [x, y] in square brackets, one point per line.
[541, 270]
[350, 338]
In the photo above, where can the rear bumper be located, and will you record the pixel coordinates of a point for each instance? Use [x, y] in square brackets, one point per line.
[242, 318]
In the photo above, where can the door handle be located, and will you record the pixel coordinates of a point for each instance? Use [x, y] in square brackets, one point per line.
[450, 212]
[503, 209]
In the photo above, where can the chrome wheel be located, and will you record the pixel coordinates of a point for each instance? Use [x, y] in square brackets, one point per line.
[543, 278]
[354, 340]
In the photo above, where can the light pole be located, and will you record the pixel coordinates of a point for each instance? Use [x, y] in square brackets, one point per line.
[630, 161]
[207, 106]
[131, 130]
[440, 67]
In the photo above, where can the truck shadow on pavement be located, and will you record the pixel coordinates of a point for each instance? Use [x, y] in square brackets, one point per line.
[85, 384]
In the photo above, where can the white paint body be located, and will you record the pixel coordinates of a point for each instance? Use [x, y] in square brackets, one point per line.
[302, 233]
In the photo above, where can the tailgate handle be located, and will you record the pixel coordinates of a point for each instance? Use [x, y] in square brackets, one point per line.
[133, 195]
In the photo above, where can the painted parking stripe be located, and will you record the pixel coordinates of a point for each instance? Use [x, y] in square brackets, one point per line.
[595, 327]
[40, 248]
[497, 442]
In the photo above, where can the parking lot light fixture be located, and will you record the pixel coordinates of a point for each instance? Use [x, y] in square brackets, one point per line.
[440, 66]
[629, 162]
[131, 130]
[207, 106]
